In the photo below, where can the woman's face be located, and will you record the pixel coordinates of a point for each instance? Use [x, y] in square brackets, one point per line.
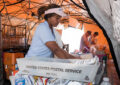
[54, 20]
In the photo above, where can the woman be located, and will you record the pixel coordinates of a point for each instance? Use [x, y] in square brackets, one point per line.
[94, 38]
[84, 43]
[44, 42]
[93, 44]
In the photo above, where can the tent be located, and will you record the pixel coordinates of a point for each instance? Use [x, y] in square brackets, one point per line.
[23, 14]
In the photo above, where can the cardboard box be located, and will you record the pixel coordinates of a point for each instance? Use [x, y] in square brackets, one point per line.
[10, 58]
[71, 69]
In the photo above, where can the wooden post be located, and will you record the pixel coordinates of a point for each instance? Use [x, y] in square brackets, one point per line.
[1, 54]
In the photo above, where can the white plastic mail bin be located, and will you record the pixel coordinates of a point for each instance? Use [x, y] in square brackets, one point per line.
[71, 69]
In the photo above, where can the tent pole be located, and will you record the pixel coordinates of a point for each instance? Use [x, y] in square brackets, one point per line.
[1, 53]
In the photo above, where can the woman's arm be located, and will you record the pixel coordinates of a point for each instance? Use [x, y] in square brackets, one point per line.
[52, 45]
[85, 40]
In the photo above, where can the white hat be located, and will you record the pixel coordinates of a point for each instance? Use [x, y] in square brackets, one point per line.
[58, 11]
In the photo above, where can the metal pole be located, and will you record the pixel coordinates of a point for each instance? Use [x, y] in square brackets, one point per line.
[1, 54]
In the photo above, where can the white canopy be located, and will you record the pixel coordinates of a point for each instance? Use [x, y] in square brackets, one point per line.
[107, 15]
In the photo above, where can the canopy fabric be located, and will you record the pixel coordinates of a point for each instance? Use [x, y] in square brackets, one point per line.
[23, 13]
[101, 11]
[27, 9]
[116, 19]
